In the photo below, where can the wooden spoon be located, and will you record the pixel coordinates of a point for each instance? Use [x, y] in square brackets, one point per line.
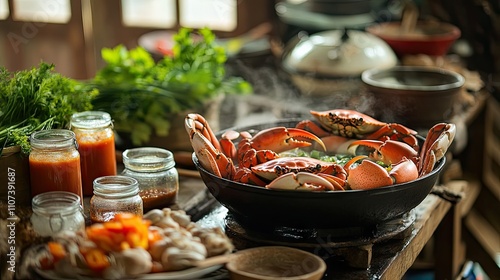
[221, 259]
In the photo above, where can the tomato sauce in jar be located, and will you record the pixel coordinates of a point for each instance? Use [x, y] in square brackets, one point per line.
[96, 144]
[54, 162]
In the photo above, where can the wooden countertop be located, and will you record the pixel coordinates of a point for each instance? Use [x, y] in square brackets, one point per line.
[390, 259]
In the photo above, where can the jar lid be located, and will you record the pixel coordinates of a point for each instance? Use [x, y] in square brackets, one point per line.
[53, 139]
[91, 119]
[116, 186]
[148, 159]
[56, 202]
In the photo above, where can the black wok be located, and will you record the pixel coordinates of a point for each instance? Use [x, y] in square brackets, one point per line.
[351, 208]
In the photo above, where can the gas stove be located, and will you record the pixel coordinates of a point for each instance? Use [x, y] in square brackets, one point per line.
[352, 246]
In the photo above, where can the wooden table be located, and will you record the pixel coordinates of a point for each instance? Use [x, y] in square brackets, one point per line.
[390, 259]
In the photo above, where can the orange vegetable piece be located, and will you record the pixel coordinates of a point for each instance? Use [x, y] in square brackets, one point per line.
[133, 239]
[57, 250]
[153, 236]
[124, 216]
[125, 231]
[124, 245]
[113, 226]
[96, 259]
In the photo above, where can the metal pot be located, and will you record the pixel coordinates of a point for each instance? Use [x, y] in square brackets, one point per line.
[336, 209]
[333, 60]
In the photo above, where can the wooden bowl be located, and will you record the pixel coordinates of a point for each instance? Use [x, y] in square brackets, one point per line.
[276, 262]
[415, 96]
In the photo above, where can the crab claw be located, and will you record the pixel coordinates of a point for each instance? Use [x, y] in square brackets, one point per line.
[195, 123]
[370, 175]
[280, 139]
[389, 151]
[404, 171]
[211, 159]
[302, 181]
[226, 143]
[207, 148]
[437, 142]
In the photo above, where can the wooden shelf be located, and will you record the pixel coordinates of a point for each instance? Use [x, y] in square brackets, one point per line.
[492, 148]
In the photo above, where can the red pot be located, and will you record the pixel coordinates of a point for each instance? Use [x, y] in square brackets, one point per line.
[431, 38]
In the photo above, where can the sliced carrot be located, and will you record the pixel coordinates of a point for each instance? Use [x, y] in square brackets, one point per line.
[113, 226]
[96, 259]
[57, 250]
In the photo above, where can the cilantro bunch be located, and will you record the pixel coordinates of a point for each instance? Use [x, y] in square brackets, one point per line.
[142, 95]
[37, 99]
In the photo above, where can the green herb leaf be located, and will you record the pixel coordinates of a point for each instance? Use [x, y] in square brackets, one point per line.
[134, 89]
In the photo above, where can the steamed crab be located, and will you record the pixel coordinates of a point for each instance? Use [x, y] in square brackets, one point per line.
[394, 156]
[341, 124]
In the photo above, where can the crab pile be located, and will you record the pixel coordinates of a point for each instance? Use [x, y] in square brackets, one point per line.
[381, 154]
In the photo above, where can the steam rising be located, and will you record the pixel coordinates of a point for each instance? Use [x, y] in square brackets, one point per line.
[276, 96]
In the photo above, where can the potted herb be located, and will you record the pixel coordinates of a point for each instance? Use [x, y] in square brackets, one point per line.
[32, 100]
[148, 100]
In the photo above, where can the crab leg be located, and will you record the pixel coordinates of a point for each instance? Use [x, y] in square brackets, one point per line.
[437, 142]
[388, 151]
[195, 123]
[266, 144]
[211, 158]
[302, 181]
[397, 132]
[207, 148]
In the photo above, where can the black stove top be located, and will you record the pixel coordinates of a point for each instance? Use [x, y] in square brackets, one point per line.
[352, 246]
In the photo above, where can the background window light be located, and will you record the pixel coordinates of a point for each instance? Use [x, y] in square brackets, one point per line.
[53, 11]
[4, 9]
[214, 14]
[149, 13]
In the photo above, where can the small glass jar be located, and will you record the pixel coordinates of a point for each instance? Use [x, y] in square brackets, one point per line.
[96, 144]
[154, 169]
[112, 195]
[57, 211]
[54, 162]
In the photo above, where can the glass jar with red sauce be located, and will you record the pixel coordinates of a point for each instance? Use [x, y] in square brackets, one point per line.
[96, 144]
[112, 195]
[154, 169]
[54, 162]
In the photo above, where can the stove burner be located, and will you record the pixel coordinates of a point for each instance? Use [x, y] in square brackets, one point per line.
[352, 245]
[347, 246]
[334, 237]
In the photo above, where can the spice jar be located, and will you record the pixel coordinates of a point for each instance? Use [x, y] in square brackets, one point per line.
[154, 169]
[112, 195]
[96, 144]
[54, 162]
[56, 211]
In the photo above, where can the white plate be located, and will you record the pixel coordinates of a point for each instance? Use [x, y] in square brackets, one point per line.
[190, 273]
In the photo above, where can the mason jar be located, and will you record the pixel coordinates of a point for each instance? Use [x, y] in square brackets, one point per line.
[54, 162]
[56, 211]
[154, 169]
[112, 195]
[96, 144]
